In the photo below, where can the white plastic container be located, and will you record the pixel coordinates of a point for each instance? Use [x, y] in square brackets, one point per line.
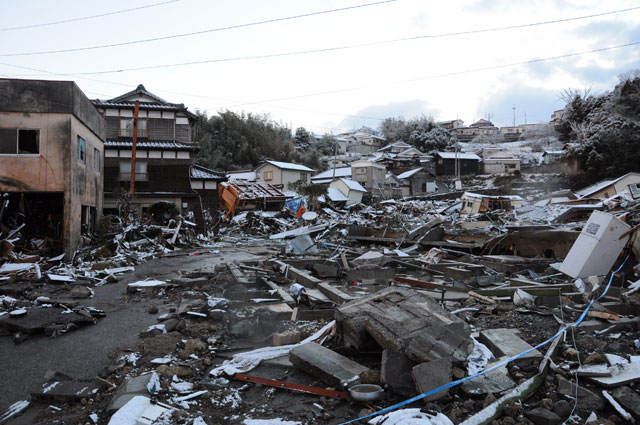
[597, 247]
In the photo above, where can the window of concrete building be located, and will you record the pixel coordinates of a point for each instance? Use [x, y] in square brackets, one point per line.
[19, 141]
[96, 159]
[268, 175]
[361, 170]
[82, 150]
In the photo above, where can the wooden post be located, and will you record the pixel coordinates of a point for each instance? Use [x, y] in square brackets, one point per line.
[133, 150]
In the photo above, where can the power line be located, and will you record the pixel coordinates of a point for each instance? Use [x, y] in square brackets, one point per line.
[87, 17]
[468, 71]
[266, 102]
[268, 21]
[345, 47]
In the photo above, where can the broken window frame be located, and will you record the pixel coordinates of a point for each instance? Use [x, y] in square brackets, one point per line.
[18, 132]
[82, 150]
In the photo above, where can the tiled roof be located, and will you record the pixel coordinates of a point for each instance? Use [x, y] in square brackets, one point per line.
[408, 174]
[202, 173]
[143, 105]
[151, 144]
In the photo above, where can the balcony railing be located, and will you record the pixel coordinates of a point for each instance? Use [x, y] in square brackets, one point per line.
[140, 177]
[128, 132]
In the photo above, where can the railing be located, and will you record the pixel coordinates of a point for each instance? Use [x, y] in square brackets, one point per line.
[140, 177]
[128, 132]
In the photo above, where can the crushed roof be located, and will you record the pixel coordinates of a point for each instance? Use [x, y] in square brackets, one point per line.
[151, 144]
[288, 166]
[336, 195]
[482, 196]
[597, 187]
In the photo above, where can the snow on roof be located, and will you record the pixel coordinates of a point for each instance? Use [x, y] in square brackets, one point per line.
[336, 195]
[481, 196]
[460, 155]
[340, 172]
[353, 185]
[242, 175]
[408, 174]
[288, 166]
[553, 152]
[597, 187]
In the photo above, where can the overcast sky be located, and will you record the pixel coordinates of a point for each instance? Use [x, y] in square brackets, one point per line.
[358, 67]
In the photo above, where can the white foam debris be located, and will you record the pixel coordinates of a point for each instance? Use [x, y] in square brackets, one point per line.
[410, 417]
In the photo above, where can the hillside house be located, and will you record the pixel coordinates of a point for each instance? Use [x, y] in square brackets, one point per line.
[330, 175]
[479, 128]
[281, 174]
[418, 181]
[369, 174]
[51, 162]
[451, 124]
[452, 163]
[501, 163]
[552, 157]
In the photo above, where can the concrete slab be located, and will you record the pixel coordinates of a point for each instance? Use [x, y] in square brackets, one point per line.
[505, 342]
[495, 382]
[321, 362]
[65, 392]
[430, 375]
[37, 319]
[587, 400]
[621, 374]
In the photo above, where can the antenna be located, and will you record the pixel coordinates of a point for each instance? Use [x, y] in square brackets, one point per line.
[514, 115]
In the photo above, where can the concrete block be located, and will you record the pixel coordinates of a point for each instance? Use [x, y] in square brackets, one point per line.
[430, 375]
[505, 342]
[395, 372]
[65, 392]
[331, 367]
[286, 338]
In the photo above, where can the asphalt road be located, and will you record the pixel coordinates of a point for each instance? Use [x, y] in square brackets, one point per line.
[82, 353]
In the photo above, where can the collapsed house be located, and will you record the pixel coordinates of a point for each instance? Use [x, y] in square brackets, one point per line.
[52, 146]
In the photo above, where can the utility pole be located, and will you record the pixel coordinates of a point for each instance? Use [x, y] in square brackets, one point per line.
[514, 115]
[133, 149]
[525, 117]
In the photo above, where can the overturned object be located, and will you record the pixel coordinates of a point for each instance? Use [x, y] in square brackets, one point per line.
[405, 321]
[597, 247]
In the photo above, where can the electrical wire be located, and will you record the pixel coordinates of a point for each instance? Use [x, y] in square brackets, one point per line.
[189, 34]
[449, 74]
[498, 365]
[87, 17]
[339, 48]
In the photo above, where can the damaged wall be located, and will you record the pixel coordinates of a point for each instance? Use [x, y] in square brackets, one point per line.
[63, 119]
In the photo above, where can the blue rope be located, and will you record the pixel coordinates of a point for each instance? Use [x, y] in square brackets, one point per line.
[497, 366]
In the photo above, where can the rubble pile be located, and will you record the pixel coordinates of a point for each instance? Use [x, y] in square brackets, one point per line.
[410, 310]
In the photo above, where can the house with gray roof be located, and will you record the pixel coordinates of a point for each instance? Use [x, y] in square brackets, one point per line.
[281, 174]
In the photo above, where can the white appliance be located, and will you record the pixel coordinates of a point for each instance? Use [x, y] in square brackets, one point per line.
[597, 247]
